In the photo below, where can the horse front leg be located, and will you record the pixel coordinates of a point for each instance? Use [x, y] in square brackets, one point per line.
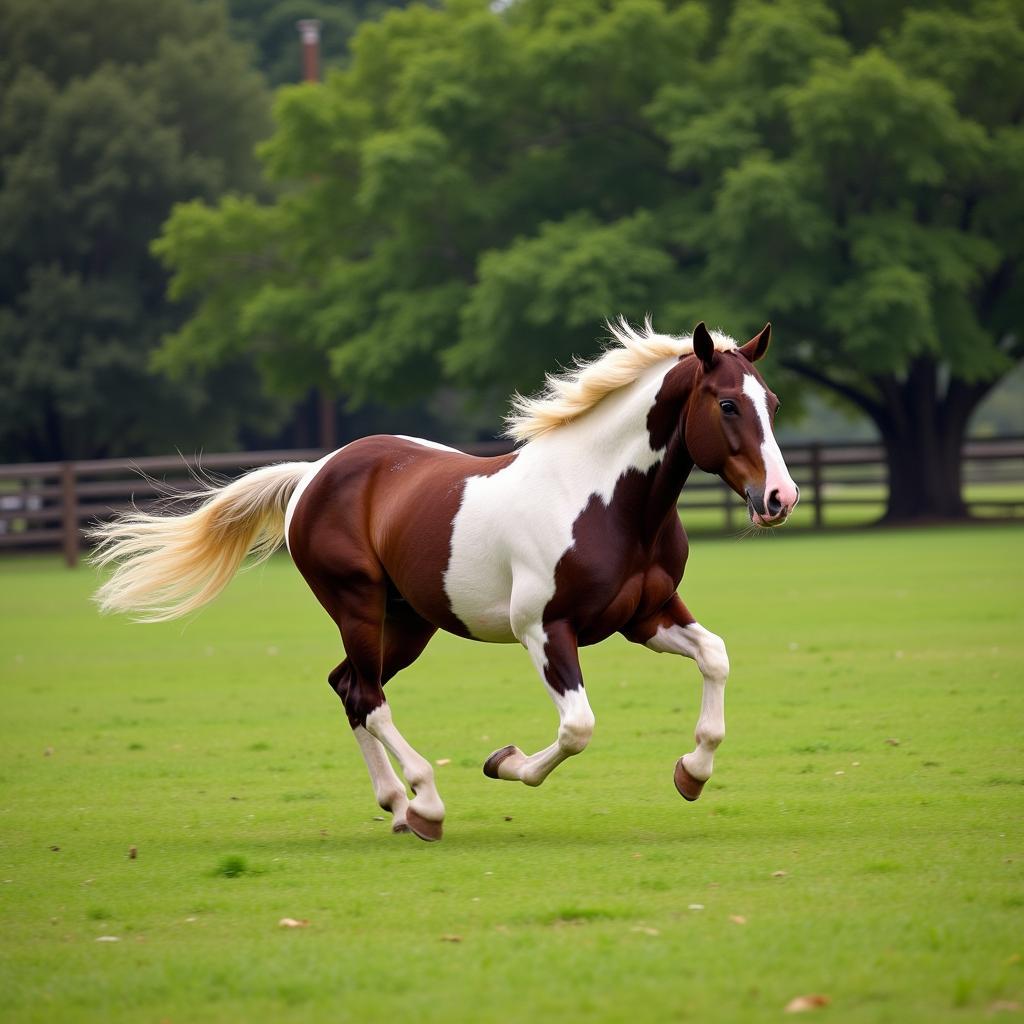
[552, 647]
[673, 630]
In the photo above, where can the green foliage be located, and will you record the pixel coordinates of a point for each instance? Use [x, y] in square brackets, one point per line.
[103, 127]
[480, 188]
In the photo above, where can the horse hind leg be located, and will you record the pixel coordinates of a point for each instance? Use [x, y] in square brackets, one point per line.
[387, 787]
[379, 645]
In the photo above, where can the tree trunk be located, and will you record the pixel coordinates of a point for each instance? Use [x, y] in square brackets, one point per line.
[924, 475]
[923, 434]
[923, 428]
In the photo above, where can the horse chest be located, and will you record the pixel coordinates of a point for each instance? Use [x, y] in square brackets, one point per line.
[538, 535]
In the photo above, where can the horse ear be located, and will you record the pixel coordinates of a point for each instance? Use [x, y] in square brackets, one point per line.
[703, 345]
[756, 347]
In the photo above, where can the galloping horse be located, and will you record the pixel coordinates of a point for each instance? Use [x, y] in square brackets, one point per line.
[571, 537]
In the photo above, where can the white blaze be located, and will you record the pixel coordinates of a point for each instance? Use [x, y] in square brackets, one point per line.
[777, 476]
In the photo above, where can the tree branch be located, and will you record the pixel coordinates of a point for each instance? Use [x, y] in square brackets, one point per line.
[863, 401]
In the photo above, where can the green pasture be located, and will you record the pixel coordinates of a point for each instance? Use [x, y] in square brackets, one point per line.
[861, 839]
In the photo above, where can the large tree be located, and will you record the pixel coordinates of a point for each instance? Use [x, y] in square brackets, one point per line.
[107, 118]
[468, 199]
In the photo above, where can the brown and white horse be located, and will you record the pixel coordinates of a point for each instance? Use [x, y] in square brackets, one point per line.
[570, 538]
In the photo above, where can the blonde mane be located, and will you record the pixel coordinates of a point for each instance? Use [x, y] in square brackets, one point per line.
[567, 396]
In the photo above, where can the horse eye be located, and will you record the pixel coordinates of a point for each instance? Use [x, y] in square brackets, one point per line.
[729, 408]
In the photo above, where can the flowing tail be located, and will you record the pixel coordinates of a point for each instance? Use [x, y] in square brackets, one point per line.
[169, 565]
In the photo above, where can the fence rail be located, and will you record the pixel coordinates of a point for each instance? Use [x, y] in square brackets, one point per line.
[49, 504]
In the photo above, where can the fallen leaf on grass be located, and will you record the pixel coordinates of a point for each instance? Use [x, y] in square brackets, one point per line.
[1005, 1006]
[291, 922]
[107, 938]
[696, 906]
[737, 919]
[801, 1004]
[48, 752]
[892, 741]
[133, 852]
[451, 938]
[779, 874]
[644, 930]
[442, 761]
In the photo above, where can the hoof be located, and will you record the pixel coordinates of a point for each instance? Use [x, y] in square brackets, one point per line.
[491, 764]
[689, 787]
[429, 831]
[400, 826]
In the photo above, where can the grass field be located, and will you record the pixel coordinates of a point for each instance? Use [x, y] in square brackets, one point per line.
[862, 837]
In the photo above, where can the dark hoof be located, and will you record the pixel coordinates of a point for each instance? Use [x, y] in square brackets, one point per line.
[688, 786]
[429, 831]
[491, 764]
[399, 826]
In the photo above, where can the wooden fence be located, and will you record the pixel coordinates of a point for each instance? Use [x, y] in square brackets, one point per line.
[47, 505]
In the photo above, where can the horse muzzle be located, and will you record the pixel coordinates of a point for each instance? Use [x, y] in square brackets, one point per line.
[774, 509]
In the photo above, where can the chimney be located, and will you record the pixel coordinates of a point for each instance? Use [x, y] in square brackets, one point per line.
[309, 29]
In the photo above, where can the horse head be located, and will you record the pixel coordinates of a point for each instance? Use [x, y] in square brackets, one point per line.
[728, 427]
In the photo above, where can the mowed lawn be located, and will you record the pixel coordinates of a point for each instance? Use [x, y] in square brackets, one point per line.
[861, 839]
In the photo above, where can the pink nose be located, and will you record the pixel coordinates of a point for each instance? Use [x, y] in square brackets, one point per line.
[782, 500]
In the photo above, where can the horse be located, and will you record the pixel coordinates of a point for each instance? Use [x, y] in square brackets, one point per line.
[572, 536]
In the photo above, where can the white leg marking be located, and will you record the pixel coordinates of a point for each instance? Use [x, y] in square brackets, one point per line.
[708, 650]
[575, 724]
[387, 786]
[415, 767]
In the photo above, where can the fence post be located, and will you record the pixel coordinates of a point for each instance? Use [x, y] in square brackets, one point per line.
[69, 513]
[727, 505]
[818, 485]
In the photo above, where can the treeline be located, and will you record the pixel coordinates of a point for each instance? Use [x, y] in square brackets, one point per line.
[109, 116]
[477, 185]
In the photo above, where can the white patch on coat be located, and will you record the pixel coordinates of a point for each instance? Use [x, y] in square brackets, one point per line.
[427, 444]
[513, 527]
[777, 476]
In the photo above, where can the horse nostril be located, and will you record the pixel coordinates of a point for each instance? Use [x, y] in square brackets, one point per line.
[774, 504]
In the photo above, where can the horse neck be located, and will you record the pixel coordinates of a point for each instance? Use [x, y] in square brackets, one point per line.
[667, 420]
[615, 437]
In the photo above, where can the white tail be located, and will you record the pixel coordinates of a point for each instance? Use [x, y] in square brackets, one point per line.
[169, 565]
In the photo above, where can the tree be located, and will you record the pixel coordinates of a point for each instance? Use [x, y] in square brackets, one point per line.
[468, 199]
[107, 120]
